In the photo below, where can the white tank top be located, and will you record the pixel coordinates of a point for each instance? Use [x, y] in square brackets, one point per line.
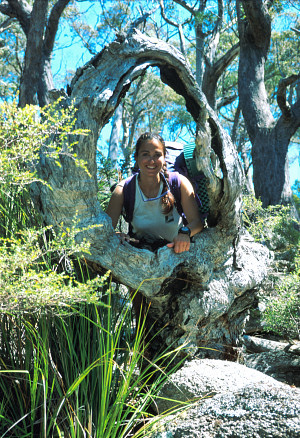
[149, 221]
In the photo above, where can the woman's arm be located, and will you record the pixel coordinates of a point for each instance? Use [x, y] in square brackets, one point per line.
[115, 205]
[190, 208]
[114, 210]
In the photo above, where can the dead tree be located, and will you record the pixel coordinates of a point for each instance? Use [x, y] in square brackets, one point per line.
[200, 297]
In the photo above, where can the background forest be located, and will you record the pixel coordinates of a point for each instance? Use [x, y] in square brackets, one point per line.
[49, 298]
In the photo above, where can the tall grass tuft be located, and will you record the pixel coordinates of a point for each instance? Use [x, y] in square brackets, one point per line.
[76, 372]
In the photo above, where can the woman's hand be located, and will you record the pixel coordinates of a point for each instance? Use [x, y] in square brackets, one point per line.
[180, 243]
[123, 237]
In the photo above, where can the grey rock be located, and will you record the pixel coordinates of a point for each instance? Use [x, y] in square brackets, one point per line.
[281, 365]
[246, 405]
[252, 412]
[206, 377]
[255, 322]
[259, 345]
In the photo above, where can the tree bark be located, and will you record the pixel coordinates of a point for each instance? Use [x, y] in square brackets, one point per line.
[40, 33]
[269, 138]
[213, 72]
[114, 139]
[32, 66]
[200, 297]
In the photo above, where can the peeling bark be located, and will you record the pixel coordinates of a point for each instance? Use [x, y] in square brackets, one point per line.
[202, 296]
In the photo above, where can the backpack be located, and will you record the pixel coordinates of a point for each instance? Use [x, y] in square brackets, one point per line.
[179, 159]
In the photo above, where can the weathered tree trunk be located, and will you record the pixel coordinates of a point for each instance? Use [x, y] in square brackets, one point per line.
[269, 138]
[270, 166]
[201, 297]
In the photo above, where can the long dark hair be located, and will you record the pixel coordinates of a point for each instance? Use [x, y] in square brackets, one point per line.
[168, 200]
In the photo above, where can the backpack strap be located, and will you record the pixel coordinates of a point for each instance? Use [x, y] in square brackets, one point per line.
[197, 178]
[188, 152]
[129, 197]
[175, 186]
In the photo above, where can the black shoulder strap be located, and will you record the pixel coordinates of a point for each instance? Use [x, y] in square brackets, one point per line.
[129, 197]
[175, 186]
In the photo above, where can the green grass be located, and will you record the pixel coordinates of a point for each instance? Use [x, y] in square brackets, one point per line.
[77, 372]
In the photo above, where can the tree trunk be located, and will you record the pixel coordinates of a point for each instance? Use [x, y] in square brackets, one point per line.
[271, 167]
[200, 297]
[269, 139]
[33, 55]
[40, 31]
[114, 140]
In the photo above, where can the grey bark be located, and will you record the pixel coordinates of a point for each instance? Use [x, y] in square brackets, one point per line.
[202, 296]
[269, 137]
[32, 66]
[40, 31]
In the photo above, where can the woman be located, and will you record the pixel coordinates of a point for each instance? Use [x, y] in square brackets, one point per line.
[155, 217]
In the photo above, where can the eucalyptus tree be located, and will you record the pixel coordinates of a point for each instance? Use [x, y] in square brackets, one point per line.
[203, 296]
[12, 45]
[269, 135]
[213, 50]
[39, 23]
[219, 83]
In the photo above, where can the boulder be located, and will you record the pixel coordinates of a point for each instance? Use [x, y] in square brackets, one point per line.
[234, 401]
[280, 365]
[255, 344]
[280, 360]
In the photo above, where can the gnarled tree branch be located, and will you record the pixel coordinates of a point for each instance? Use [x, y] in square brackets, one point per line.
[52, 25]
[281, 95]
[20, 10]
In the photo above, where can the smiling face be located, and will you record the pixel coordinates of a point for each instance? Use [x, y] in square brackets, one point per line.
[150, 157]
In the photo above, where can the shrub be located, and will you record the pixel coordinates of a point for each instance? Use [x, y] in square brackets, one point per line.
[23, 132]
[282, 313]
[275, 227]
